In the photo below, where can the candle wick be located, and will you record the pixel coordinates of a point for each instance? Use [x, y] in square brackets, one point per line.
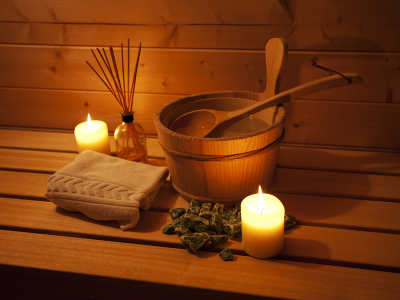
[262, 211]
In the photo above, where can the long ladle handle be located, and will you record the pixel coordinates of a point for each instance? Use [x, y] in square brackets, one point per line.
[275, 58]
[294, 93]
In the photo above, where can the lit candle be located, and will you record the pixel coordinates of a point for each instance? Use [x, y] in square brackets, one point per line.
[92, 135]
[262, 225]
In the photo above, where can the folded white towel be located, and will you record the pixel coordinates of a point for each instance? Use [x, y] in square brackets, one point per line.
[106, 188]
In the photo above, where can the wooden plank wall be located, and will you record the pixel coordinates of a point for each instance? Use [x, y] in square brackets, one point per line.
[200, 46]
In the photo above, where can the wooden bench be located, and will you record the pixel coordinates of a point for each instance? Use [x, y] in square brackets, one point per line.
[345, 245]
[338, 169]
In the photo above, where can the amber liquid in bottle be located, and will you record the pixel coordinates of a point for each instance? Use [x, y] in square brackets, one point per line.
[130, 140]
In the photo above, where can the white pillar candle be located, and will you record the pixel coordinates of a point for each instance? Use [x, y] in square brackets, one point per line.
[92, 135]
[262, 225]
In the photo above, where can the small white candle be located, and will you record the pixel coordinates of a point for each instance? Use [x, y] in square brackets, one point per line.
[92, 135]
[262, 225]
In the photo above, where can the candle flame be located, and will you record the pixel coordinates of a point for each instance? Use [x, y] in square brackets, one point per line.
[89, 123]
[260, 200]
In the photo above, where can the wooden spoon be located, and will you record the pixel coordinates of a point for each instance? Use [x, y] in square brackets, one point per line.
[199, 123]
[210, 123]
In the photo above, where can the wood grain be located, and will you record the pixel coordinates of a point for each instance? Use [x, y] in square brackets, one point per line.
[338, 168]
[309, 209]
[302, 243]
[57, 141]
[337, 35]
[377, 216]
[186, 71]
[65, 109]
[293, 181]
[204, 12]
[320, 122]
[31, 160]
[336, 184]
[117, 260]
[341, 160]
[332, 123]
[138, 12]
[290, 155]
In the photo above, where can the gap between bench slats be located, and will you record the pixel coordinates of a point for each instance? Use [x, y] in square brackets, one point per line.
[377, 215]
[345, 213]
[58, 141]
[176, 267]
[368, 250]
[294, 181]
[290, 156]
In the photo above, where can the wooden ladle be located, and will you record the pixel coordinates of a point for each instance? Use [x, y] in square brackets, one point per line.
[199, 123]
[210, 123]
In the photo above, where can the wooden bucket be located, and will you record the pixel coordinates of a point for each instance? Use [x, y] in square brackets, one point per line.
[225, 169]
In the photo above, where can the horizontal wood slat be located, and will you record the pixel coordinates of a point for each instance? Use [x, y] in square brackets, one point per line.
[336, 184]
[379, 216]
[268, 12]
[309, 209]
[45, 162]
[327, 35]
[30, 160]
[343, 124]
[341, 160]
[138, 12]
[345, 213]
[338, 170]
[290, 156]
[304, 243]
[332, 123]
[293, 181]
[382, 163]
[118, 260]
[66, 109]
[342, 212]
[57, 141]
[177, 71]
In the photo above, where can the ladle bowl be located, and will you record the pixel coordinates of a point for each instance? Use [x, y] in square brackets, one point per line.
[212, 123]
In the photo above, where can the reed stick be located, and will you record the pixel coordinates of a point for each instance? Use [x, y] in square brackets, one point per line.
[134, 76]
[128, 72]
[123, 91]
[108, 65]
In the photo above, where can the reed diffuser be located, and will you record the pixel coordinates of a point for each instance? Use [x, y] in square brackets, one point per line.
[130, 138]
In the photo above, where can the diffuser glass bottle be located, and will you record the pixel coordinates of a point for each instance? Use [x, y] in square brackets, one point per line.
[130, 139]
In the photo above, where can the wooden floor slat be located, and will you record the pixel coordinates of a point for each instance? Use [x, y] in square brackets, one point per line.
[304, 243]
[176, 267]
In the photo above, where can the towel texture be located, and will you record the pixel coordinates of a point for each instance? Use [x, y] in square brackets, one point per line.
[106, 188]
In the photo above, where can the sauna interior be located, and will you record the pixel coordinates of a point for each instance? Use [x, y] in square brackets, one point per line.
[337, 172]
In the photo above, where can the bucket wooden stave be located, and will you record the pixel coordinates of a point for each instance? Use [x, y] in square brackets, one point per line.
[225, 169]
